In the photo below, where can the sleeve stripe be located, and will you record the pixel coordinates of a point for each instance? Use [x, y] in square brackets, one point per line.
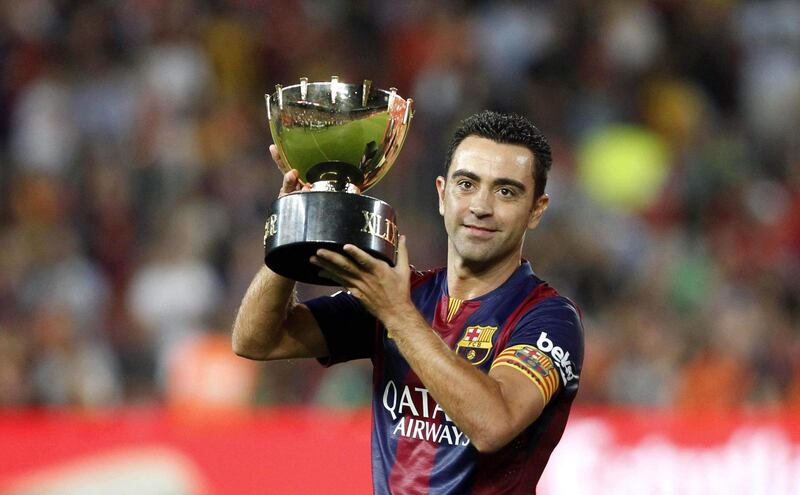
[535, 364]
[548, 383]
[546, 392]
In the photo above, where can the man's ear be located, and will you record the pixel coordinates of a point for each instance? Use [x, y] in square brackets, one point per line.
[538, 210]
[441, 182]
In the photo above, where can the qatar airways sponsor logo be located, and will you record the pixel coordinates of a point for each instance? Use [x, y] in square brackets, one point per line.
[415, 418]
[560, 357]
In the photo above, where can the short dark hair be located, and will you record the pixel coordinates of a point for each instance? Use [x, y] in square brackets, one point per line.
[507, 128]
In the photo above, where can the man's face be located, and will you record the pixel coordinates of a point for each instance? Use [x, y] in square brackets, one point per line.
[487, 200]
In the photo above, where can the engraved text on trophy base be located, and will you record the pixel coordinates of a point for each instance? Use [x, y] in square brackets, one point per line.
[376, 225]
[271, 227]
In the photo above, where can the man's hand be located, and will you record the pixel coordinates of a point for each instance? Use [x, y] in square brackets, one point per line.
[385, 291]
[291, 179]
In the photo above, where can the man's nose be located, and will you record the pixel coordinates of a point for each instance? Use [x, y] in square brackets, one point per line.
[481, 204]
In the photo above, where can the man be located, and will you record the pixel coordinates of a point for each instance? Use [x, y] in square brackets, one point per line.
[476, 364]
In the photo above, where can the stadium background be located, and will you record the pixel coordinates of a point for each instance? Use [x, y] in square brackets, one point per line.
[135, 177]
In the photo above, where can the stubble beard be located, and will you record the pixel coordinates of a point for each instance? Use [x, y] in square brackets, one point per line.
[477, 255]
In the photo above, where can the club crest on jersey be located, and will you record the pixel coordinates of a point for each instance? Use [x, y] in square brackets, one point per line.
[476, 344]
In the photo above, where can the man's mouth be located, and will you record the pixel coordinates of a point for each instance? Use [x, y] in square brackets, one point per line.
[479, 230]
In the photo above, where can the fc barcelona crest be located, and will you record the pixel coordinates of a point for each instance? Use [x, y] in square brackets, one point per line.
[476, 344]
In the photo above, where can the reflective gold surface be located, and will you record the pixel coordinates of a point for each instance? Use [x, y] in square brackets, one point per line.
[340, 135]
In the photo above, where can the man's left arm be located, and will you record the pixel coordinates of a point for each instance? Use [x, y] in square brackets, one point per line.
[491, 409]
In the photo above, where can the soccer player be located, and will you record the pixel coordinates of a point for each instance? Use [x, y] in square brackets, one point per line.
[476, 364]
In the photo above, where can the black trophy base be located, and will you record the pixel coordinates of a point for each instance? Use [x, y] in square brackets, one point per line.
[299, 224]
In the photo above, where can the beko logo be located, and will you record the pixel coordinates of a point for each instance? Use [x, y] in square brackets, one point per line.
[561, 358]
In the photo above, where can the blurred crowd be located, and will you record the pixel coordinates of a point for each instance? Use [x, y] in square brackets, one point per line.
[134, 181]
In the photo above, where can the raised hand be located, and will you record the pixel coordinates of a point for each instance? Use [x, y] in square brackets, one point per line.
[383, 289]
[291, 179]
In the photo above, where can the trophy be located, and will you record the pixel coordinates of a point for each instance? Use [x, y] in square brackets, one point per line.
[342, 139]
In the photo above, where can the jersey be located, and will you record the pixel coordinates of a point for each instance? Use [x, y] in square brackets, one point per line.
[416, 448]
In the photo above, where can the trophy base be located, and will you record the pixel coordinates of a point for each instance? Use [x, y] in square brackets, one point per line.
[300, 223]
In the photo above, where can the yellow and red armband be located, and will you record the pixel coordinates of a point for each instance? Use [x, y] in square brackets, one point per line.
[534, 364]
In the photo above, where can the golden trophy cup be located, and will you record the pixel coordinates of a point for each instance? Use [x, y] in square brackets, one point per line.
[342, 139]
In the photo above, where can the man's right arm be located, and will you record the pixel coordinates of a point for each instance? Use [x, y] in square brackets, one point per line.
[271, 324]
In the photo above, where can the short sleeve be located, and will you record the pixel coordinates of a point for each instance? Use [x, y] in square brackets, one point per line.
[547, 347]
[348, 328]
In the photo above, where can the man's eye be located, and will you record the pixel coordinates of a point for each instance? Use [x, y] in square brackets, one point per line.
[504, 191]
[465, 184]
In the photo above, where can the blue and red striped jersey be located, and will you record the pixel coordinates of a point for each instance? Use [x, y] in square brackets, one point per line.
[416, 447]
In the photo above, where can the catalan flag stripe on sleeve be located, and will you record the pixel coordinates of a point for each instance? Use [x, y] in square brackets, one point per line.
[534, 364]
